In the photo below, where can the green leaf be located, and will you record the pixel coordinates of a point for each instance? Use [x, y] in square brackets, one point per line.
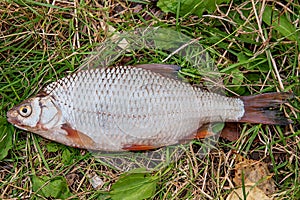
[280, 23]
[237, 77]
[242, 57]
[217, 127]
[52, 147]
[51, 187]
[66, 156]
[6, 136]
[134, 186]
[188, 7]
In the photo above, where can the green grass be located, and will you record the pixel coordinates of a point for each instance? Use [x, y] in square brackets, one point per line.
[41, 42]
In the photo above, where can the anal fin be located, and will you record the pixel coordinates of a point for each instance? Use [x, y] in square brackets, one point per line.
[201, 133]
[231, 132]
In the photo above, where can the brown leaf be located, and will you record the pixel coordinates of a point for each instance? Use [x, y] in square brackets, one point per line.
[255, 173]
[252, 193]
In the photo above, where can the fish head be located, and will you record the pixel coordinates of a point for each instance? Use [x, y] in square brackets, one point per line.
[35, 114]
[42, 116]
[25, 115]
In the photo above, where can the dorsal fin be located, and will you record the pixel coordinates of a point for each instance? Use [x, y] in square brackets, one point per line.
[169, 71]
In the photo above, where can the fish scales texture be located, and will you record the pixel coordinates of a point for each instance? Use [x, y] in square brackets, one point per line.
[119, 106]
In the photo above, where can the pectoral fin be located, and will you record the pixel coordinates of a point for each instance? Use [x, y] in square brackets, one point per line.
[77, 138]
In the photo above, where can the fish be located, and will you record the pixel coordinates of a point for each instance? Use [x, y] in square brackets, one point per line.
[135, 108]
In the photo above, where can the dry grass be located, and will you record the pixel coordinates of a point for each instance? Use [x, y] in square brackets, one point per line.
[41, 41]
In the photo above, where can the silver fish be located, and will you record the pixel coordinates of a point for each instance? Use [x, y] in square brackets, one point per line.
[134, 108]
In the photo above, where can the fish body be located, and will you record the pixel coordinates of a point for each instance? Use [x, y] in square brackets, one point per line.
[125, 108]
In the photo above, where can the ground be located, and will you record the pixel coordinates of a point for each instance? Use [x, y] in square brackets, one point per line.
[254, 45]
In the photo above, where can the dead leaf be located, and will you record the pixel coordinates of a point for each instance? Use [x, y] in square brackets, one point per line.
[122, 42]
[96, 181]
[251, 193]
[254, 173]
[71, 178]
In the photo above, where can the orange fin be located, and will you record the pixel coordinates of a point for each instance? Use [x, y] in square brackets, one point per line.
[138, 147]
[79, 139]
[262, 108]
[203, 132]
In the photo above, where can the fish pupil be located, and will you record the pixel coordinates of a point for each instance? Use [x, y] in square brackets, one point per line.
[24, 110]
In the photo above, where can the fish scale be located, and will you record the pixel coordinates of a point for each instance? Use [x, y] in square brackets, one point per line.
[135, 108]
[128, 104]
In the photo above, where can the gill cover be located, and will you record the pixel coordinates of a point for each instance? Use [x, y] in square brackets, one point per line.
[50, 115]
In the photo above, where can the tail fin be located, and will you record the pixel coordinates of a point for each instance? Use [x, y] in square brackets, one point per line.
[262, 108]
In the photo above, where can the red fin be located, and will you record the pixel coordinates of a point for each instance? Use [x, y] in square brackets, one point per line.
[231, 131]
[138, 147]
[203, 132]
[78, 138]
[260, 108]
[170, 71]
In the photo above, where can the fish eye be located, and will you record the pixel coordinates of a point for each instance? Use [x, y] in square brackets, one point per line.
[25, 110]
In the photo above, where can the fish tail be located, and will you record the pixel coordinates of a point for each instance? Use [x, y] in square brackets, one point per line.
[264, 108]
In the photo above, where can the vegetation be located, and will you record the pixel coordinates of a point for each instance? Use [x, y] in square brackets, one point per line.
[254, 44]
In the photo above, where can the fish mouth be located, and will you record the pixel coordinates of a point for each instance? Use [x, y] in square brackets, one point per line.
[11, 118]
[16, 122]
